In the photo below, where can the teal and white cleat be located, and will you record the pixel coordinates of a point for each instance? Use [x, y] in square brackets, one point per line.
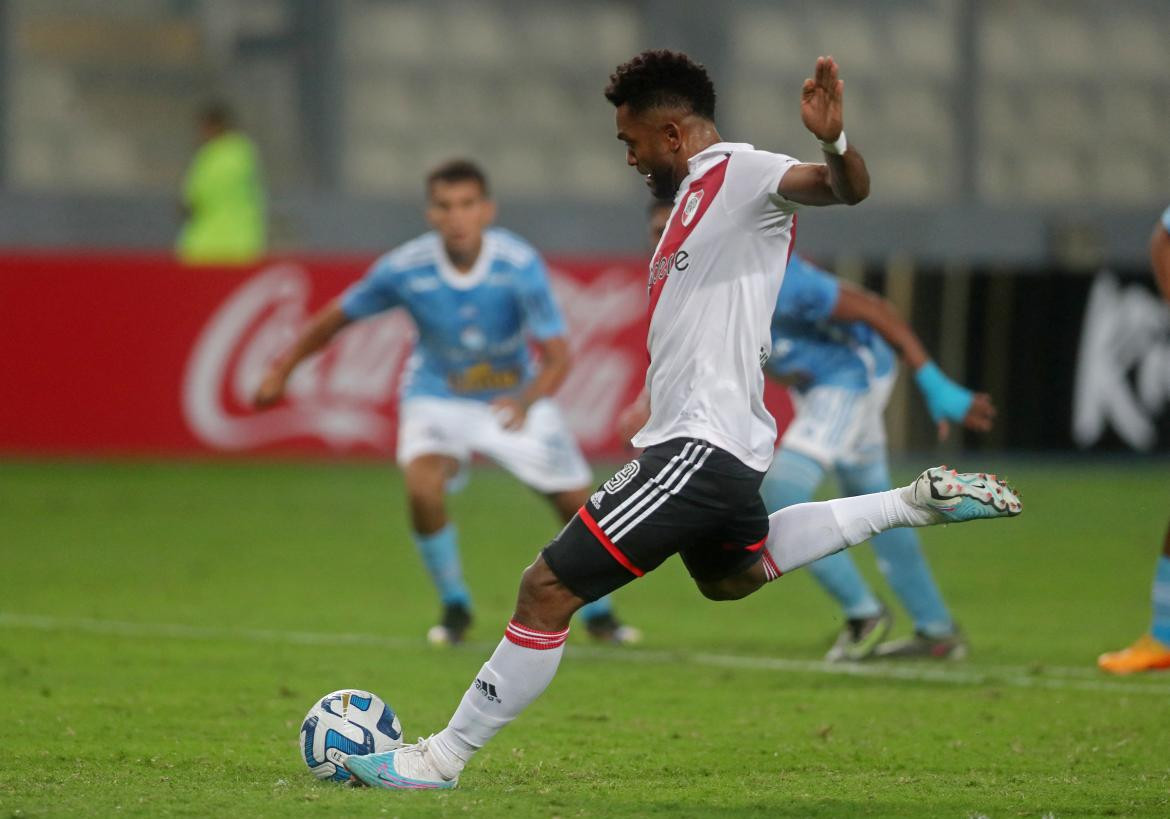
[409, 768]
[953, 497]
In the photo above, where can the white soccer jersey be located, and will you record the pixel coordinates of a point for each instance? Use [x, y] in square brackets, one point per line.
[713, 284]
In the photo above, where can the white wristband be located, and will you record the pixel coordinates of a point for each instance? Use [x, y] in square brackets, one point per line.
[838, 146]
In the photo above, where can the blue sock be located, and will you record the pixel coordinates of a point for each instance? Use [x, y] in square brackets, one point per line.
[900, 557]
[792, 479]
[1161, 596]
[598, 608]
[440, 554]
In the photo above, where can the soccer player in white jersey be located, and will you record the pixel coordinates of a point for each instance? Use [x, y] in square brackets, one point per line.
[694, 491]
[1151, 651]
[479, 296]
[835, 345]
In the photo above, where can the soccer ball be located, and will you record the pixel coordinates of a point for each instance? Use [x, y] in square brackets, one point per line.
[343, 723]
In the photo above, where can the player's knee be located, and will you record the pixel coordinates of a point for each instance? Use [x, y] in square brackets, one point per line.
[729, 588]
[544, 602]
[424, 485]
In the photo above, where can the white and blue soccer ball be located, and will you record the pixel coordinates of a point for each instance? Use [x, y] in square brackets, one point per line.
[343, 723]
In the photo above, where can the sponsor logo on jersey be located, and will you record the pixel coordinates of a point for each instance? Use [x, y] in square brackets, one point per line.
[621, 478]
[596, 499]
[691, 207]
[679, 260]
[483, 377]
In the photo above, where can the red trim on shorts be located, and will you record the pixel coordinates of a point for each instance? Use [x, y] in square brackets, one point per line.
[526, 637]
[759, 544]
[604, 540]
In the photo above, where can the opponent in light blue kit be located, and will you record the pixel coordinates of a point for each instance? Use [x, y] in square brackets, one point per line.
[479, 298]
[830, 344]
[1151, 651]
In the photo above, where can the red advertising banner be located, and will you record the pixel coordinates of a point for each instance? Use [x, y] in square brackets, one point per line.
[129, 354]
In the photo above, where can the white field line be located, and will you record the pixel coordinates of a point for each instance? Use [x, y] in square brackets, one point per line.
[959, 674]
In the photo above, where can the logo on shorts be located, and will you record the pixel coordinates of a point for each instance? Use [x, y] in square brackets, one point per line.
[595, 499]
[691, 207]
[623, 476]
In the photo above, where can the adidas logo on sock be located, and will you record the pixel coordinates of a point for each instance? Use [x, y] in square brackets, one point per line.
[487, 689]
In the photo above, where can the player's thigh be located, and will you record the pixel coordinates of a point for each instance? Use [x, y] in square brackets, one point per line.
[426, 476]
[543, 454]
[734, 544]
[634, 521]
[869, 473]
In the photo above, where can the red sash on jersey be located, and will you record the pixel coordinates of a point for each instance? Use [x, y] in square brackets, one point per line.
[702, 193]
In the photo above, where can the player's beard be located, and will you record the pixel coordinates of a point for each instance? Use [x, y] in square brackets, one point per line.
[662, 184]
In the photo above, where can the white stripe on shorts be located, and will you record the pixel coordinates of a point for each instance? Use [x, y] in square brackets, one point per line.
[664, 495]
[650, 484]
[657, 486]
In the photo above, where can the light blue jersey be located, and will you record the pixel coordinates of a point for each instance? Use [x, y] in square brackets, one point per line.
[809, 348]
[1166, 219]
[474, 327]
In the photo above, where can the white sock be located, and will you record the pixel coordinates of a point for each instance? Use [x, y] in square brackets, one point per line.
[801, 534]
[522, 666]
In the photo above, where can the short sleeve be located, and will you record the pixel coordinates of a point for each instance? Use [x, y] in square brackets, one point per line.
[808, 293]
[542, 316]
[373, 293]
[752, 180]
[1166, 219]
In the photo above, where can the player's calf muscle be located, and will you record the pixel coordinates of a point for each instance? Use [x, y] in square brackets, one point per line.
[544, 602]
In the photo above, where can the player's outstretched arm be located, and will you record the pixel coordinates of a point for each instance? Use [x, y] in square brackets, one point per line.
[843, 179]
[321, 328]
[946, 400]
[1160, 258]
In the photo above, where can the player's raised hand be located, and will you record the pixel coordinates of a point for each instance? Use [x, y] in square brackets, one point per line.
[271, 389]
[980, 416]
[820, 101]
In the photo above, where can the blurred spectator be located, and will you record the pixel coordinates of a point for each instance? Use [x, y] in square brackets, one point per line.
[223, 196]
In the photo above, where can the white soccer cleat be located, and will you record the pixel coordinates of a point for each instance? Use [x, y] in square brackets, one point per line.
[953, 497]
[409, 768]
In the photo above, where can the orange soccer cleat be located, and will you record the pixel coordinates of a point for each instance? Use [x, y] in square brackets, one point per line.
[1147, 654]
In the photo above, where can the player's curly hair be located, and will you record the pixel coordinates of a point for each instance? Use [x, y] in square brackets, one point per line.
[661, 77]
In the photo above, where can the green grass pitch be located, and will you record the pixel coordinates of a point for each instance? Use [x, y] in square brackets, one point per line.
[165, 626]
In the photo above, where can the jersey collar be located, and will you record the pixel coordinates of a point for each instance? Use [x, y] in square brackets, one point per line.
[704, 158]
[707, 158]
[479, 270]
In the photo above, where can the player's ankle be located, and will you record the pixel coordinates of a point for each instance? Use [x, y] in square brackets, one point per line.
[449, 753]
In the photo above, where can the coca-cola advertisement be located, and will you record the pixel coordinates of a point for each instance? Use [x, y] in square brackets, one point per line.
[136, 354]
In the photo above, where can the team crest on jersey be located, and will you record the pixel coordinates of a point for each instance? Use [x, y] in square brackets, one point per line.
[621, 478]
[691, 207]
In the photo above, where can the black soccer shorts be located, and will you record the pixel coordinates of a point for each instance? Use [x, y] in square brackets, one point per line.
[683, 496]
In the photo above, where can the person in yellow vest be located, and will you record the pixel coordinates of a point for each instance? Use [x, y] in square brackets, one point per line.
[223, 196]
